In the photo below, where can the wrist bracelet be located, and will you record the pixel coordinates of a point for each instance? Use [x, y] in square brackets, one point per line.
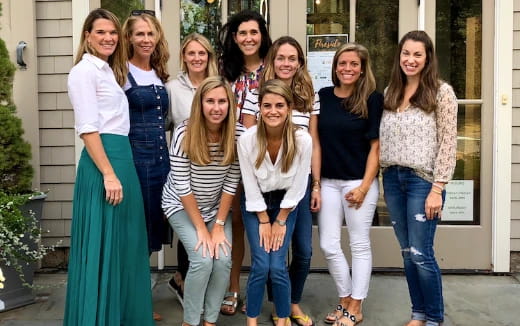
[361, 190]
[220, 222]
[260, 222]
[436, 191]
[316, 183]
[438, 186]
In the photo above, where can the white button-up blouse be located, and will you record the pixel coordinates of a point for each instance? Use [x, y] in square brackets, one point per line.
[98, 101]
[269, 176]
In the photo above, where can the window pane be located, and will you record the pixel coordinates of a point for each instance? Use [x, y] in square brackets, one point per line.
[122, 8]
[202, 17]
[235, 6]
[459, 45]
[379, 36]
[459, 50]
[327, 17]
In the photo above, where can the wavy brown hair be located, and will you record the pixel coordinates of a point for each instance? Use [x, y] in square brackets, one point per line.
[425, 97]
[160, 55]
[278, 87]
[364, 86]
[116, 61]
[211, 69]
[195, 143]
[301, 84]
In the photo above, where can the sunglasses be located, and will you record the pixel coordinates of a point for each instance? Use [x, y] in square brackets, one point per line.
[142, 11]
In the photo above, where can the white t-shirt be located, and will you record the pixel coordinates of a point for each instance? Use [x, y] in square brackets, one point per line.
[142, 77]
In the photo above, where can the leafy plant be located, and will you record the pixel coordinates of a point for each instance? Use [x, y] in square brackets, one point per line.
[20, 234]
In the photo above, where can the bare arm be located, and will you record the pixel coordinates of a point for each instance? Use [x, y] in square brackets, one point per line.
[217, 233]
[315, 164]
[95, 149]
[357, 195]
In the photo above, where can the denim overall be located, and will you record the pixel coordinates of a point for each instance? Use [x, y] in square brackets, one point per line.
[148, 109]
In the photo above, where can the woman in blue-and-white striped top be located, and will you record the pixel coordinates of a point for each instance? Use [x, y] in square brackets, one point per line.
[198, 194]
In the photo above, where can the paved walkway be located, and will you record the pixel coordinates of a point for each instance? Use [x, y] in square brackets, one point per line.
[474, 300]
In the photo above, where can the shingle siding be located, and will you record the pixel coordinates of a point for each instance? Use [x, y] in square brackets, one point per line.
[57, 156]
[515, 159]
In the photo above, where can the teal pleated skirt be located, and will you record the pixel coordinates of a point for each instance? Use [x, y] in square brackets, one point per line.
[109, 271]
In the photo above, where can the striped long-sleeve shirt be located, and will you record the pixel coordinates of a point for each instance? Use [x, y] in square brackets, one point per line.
[205, 182]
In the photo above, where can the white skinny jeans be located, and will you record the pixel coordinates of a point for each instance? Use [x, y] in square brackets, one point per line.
[334, 209]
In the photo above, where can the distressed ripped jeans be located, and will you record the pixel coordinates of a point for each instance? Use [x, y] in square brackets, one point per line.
[405, 196]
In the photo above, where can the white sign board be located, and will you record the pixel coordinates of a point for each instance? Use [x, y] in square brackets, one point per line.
[459, 201]
[320, 53]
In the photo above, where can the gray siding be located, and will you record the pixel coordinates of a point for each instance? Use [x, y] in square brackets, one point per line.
[57, 160]
[515, 168]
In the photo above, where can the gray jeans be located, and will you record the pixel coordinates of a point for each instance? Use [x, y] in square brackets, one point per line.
[207, 278]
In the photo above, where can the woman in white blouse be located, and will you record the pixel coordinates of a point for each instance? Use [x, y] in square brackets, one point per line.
[198, 194]
[109, 277]
[275, 162]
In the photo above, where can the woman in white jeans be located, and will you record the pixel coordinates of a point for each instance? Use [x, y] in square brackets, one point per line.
[348, 127]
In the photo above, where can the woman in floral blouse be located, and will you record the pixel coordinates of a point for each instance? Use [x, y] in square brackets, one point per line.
[418, 138]
[243, 42]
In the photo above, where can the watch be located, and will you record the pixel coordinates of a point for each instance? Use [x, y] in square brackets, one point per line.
[220, 222]
[281, 222]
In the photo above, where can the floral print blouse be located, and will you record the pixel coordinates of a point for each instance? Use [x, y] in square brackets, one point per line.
[425, 142]
[245, 83]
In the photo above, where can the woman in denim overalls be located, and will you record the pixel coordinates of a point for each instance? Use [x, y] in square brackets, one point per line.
[148, 102]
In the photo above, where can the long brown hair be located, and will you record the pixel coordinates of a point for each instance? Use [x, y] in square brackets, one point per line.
[116, 61]
[211, 69]
[364, 86]
[301, 84]
[195, 143]
[160, 55]
[425, 97]
[278, 87]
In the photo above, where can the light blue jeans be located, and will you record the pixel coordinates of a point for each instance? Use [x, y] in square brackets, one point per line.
[207, 278]
[405, 196]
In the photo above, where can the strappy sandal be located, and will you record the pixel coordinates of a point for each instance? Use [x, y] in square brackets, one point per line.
[351, 319]
[302, 320]
[334, 315]
[231, 299]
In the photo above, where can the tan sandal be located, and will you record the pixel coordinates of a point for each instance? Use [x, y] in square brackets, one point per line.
[334, 315]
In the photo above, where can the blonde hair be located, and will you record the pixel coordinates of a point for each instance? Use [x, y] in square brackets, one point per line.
[277, 87]
[116, 60]
[160, 55]
[301, 84]
[211, 69]
[195, 143]
[365, 85]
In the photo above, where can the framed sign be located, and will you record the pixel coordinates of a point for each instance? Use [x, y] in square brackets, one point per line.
[320, 53]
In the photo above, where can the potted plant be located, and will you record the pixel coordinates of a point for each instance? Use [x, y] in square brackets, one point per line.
[20, 231]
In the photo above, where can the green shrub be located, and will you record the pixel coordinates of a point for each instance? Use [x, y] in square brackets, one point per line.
[15, 153]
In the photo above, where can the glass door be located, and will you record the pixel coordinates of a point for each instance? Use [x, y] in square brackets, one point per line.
[464, 236]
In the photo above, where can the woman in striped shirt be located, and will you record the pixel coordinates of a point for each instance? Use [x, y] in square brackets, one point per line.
[198, 194]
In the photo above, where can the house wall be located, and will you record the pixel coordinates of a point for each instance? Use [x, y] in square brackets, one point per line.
[515, 166]
[57, 160]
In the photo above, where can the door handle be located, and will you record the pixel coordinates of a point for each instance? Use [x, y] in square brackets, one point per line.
[19, 54]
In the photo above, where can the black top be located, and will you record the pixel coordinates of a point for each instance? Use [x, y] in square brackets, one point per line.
[345, 137]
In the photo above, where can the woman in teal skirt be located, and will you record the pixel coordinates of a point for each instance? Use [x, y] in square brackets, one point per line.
[109, 273]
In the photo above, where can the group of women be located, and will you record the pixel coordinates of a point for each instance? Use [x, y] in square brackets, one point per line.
[255, 151]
